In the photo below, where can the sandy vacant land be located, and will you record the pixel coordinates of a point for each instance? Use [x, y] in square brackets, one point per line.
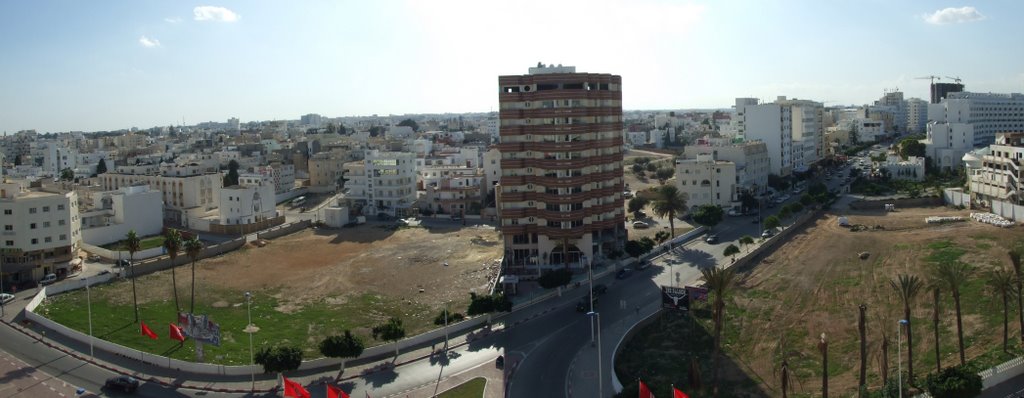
[815, 283]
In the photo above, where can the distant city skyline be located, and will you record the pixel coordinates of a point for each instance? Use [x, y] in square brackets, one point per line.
[107, 66]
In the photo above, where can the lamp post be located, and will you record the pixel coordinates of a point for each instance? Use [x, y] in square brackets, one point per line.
[446, 326]
[250, 329]
[88, 306]
[899, 353]
[590, 276]
[600, 374]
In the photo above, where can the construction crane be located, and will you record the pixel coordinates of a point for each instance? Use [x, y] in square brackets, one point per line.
[955, 79]
[931, 77]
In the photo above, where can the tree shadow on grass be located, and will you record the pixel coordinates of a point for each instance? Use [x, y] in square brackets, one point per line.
[661, 354]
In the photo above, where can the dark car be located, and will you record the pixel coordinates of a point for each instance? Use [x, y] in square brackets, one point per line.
[124, 383]
[623, 273]
[712, 239]
[124, 263]
[600, 289]
[581, 306]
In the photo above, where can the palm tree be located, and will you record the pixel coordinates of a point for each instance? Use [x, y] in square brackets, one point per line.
[862, 329]
[1002, 282]
[132, 244]
[907, 287]
[193, 247]
[1015, 260]
[719, 281]
[953, 275]
[935, 323]
[669, 202]
[172, 242]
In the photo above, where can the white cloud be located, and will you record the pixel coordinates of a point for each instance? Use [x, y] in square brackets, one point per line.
[953, 15]
[214, 13]
[172, 20]
[149, 43]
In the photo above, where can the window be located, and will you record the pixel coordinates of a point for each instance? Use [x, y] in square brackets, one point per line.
[9, 243]
[32, 226]
[8, 227]
[47, 239]
[46, 208]
[60, 222]
[46, 224]
[8, 212]
[35, 241]
[31, 210]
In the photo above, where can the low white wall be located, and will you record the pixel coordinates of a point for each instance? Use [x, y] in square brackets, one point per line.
[119, 254]
[1002, 372]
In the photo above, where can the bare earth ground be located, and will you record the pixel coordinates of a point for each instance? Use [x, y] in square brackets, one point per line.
[332, 266]
[815, 282]
[637, 185]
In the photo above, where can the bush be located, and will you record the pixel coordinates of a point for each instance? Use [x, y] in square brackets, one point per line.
[556, 278]
[484, 304]
[637, 248]
[954, 382]
[452, 318]
[279, 359]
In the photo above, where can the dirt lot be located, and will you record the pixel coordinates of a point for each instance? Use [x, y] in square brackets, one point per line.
[636, 185]
[814, 284]
[332, 265]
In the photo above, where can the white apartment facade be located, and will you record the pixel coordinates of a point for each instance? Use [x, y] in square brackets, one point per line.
[772, 124]
[41, 232]
[997, 175]
[383, 183]
[132, 208]
[917, 115]
[705, 180]
[911, 169]
[750, 158]
[947, 143]
[986, 113]
[183, 195]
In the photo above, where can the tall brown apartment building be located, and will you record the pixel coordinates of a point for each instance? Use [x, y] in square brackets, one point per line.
[560, 195]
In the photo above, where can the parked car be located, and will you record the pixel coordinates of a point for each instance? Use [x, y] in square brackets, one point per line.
[6, 298]
[640, 224]
[767, 234]
[124, 263]
[127, 384]
[94, 257]
[712, 239]
[734, 213]
[48, 279]
[623, 273]
[627, 194]
[600, 289]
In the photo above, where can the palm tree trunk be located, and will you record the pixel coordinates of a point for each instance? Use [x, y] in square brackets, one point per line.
[1020, 307]
[959, 328]
[935, 327]
[862, 328]
[135, 298]
[910, 344]
[824, 369]
[192, 303]
[672, 224]
[1006, 322]
[174, 285]
[885, 359]
[719, 309]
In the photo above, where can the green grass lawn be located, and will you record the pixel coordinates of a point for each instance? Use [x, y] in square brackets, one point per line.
[470, 389]
[304, 326]
[144, 243]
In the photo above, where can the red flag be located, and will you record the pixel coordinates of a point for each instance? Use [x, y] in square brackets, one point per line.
[334, 391]
[294, 389]
[176, 333]
[146, 331]
[644, 391]
[678, 394]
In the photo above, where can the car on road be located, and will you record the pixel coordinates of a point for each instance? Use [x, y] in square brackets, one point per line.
[127, 384]
[600, 289]
[734, 213]
[49, 279]
[767, 233]
[581, 306]
[623, 273]
[640, 224]
[124, 263]
[627, 194]
[6, 298]
[712, 239]
[94, 257]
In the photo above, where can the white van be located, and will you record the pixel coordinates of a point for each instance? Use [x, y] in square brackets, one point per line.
[48, 279]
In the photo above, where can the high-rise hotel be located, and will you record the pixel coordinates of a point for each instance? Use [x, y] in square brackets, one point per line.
[560, 195]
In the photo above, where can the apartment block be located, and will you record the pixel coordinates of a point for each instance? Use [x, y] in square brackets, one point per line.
[41, 231]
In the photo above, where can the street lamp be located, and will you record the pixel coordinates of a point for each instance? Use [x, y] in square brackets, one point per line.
[250, 329]
[899, 353]
[446, 326]
[600, 374]
[590, 276]
[88, 303]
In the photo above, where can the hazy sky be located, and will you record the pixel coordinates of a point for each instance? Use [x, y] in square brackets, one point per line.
[84, 65]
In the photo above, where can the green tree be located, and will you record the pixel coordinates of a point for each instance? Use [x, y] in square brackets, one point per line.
[954, 382]
[556, 277]
[638, 168]
[67, 174]
[806, 199]
[771, 222]
[708, 215]
[747, 240]
[279, 359]
[664, 174]
[635, 248]
[911, 146]
[1003, 283]
[1019, 284]
[907, 287]
[731, 250]
[376, 131]
[172, 244]
[132, 244]
[637, 204]
[651, 167]
[661, 236]
[101, 167]
[193, 247]
[332, 129]
[231, 179]
[785, 212]
[953, 276]
[667, 203]
[410, 123]
[343, 346]
[392, 330]
[719, 282]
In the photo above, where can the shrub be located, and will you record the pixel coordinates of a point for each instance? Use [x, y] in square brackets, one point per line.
[452, 318]
[484, 304]
[555, 278]
[279, 359]
[954, 382]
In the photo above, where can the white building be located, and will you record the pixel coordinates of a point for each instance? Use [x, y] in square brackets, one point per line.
[911, 169]
[492, 169]
[451, 189]
[183, 196]
[705, 180]
[771, 124]
[917, 115]
[869, 130]
[808, 132]
[383, 182]
[750, 158]
[246, 204]
[281, 175]
[996, 175]
[130, 208]
[636, 138]
[986, 113]
[946, 143]
[41, 232]
[399, 133]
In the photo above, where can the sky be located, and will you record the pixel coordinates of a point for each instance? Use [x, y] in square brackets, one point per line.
[69, 65]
